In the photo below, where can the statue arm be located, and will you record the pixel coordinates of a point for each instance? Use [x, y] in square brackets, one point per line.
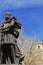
[8, 26]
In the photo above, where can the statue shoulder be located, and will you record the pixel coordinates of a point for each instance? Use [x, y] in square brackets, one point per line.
[12, 21]
[4, 22]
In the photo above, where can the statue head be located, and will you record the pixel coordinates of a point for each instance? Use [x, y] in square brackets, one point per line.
[8, 15]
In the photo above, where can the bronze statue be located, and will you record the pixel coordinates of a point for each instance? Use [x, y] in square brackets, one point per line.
[9, 35]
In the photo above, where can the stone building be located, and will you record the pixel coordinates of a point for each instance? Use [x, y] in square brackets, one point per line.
[39, 45]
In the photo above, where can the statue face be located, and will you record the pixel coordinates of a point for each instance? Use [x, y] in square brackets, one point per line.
[7, 16]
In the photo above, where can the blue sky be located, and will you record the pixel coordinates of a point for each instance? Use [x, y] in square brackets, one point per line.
[28, 12]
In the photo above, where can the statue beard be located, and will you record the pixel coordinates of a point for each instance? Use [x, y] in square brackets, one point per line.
[7, 19]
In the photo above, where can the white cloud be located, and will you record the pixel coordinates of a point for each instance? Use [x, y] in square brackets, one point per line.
[5, 4]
